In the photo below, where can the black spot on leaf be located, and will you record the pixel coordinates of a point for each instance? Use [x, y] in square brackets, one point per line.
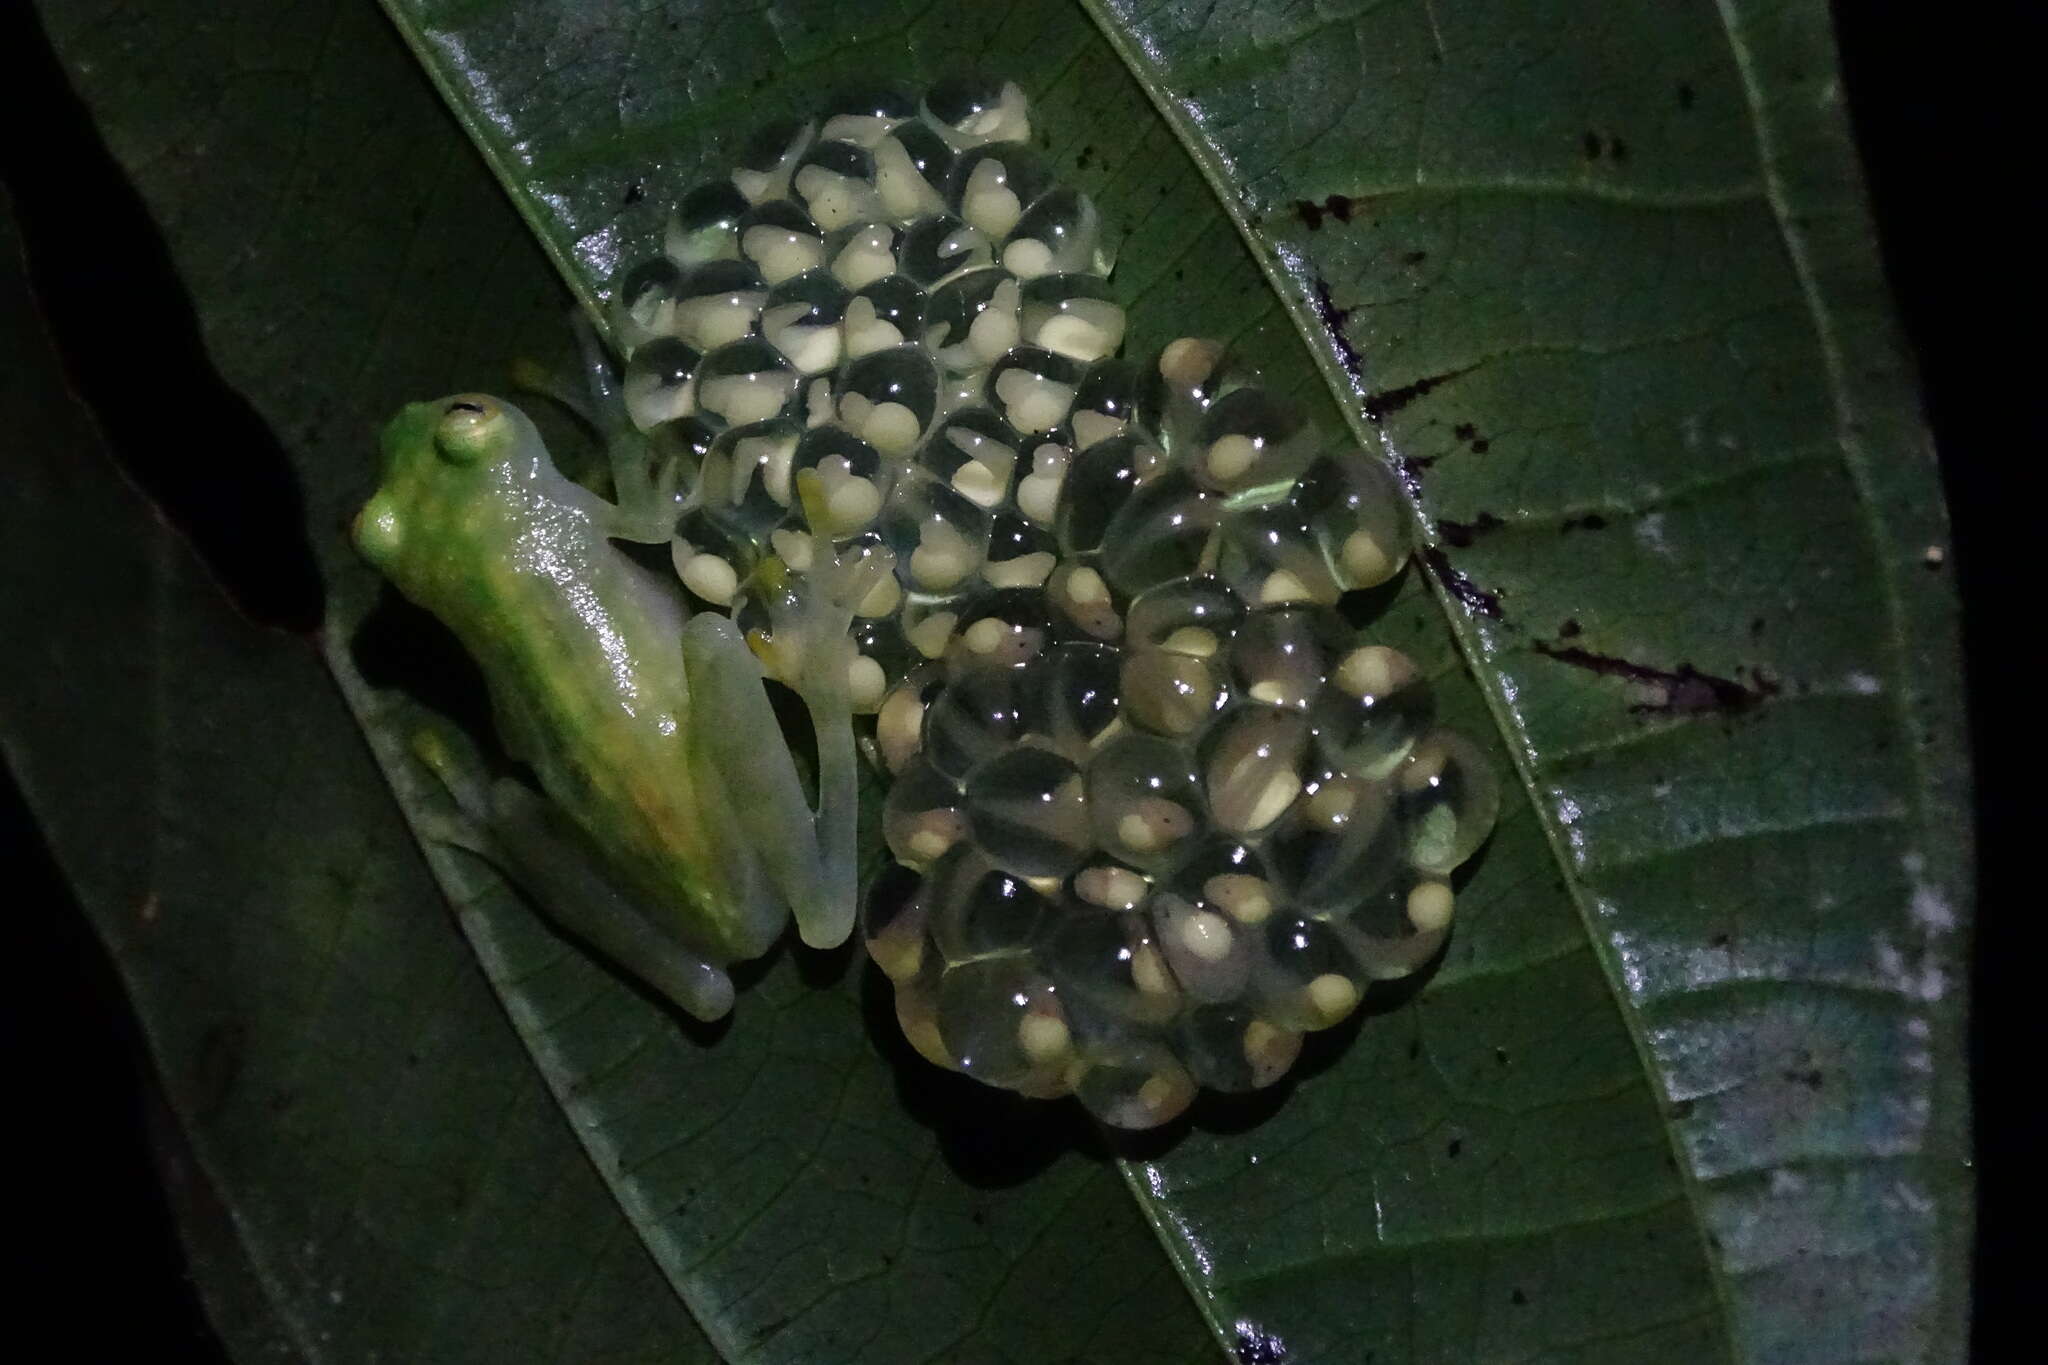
[1460, 534]
[1476, 599]
[1679, 689]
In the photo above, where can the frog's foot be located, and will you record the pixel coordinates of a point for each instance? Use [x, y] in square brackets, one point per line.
[808, 647]
[520, 834]
[647, 489]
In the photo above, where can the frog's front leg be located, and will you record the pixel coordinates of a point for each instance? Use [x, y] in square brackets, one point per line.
[647, 482]
[522, 835]
[733, 721]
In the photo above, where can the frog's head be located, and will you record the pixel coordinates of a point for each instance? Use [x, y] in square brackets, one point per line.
[440, 459]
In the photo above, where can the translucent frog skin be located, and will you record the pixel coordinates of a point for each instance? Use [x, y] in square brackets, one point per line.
[595, 669]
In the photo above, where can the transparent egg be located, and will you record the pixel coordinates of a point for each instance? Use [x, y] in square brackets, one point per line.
[1210, 954]
[835, 183]
[992, 185]
[1111, 962]
[1105, 403]
[978, 716]
[974, 452]
[976, 908]
[1448, 798]
[884, 314]
[937, 248]
[1134, 1083]
[1020, 555]
[998, 628]
[969, 111]
[1398, 928]
[880, 653]
[1176, 695]
[1070, 698]
[644, 302]
[973, 320]
[1144, 798]
[840, 482]
[780, 241]
[705, 225]
[1373, 709]
[746, 475]
[660, 382]
[1353, 507]
[1196, 616]
[1038, 492]
[912, 165]
[1073, 316]
[892, 925]
[1250, 438]
[939, 534]
[1343, 841]
[929, 617]
[1160, 534]
[1060, 233]
[1251, 764]
[1002, 1019]
[1097, 483]
[801, 318]
[1191, 372]
[1273, 557]
[1280, 656]
[743, 382]
[917, 1013]
[899, 725]
[887, 398]
[682, 443]
[718, 302]
[1232, 1049]
[767, 159]
[922, 819]
[866, 115]
[712, 555]
[862, 254]
[1306, 979]
[1033, 389]
[1028, 812]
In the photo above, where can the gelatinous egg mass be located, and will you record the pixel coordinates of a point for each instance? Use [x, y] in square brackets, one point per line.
[1163, 809]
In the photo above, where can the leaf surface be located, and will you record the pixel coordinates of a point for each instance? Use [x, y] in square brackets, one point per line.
[1688, 1083]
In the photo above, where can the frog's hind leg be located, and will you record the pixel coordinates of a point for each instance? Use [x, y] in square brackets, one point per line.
[827, 653]
[734, 719]
[515, 830]
[564, 879]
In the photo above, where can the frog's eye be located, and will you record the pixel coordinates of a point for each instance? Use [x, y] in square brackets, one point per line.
[468, 428]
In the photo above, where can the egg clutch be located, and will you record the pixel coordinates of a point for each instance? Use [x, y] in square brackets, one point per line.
[1166, 807]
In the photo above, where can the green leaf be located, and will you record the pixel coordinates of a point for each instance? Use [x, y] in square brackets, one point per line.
[1689, 1082]
[323, 1039]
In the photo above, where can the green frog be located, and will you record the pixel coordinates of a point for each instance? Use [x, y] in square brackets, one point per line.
[647, 725]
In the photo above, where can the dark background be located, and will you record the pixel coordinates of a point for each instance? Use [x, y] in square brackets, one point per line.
[1936, 103]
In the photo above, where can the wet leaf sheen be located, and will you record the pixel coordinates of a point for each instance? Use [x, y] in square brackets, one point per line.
[1688, 1084]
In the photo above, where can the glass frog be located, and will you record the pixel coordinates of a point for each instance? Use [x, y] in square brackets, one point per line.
[647, 725]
